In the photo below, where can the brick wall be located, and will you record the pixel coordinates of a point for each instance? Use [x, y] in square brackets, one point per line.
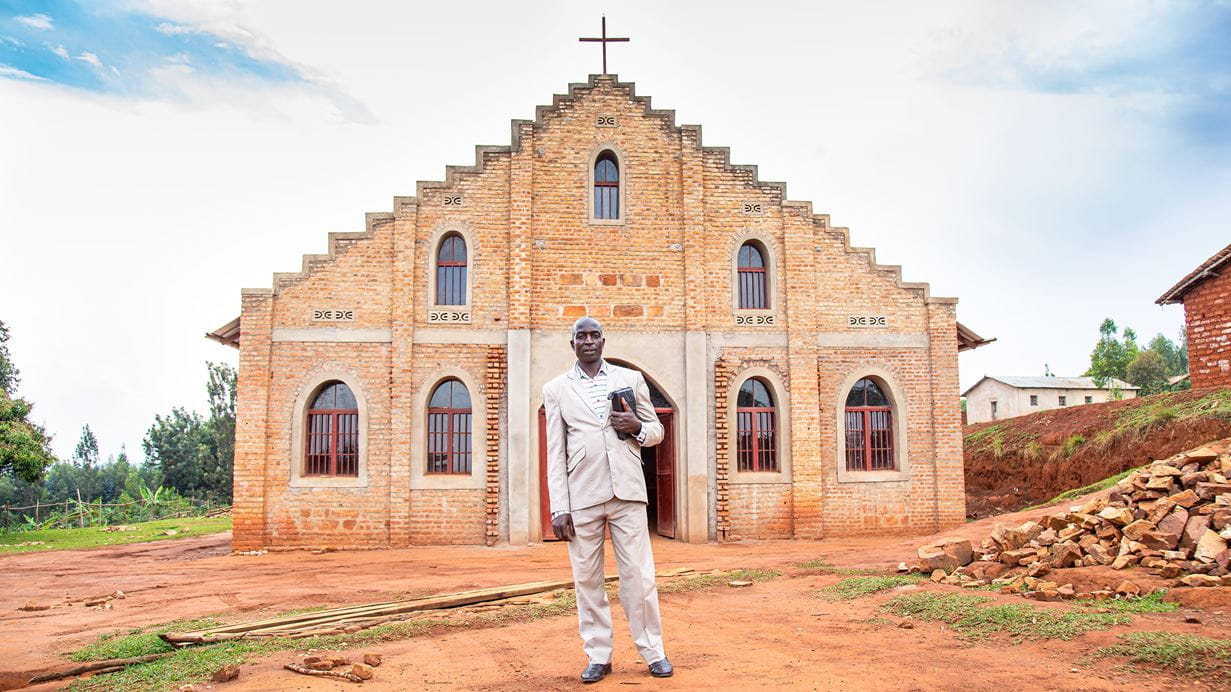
[763, 510]
[447, 517]
[1207, 315]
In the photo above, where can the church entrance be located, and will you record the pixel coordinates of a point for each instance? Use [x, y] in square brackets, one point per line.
[657, 464]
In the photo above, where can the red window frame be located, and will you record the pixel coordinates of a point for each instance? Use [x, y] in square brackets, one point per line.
[753, 281]
[450, 436]
[337, 431]
[756, 436]
[606, 192]
[451, 273]
[869, 438]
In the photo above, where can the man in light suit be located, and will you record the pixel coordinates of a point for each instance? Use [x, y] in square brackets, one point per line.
[595, 480]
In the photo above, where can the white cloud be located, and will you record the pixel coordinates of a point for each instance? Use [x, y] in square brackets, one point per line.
[175, 29]
[36, 21]
[61, 51]
[6, 71]
[87, 56]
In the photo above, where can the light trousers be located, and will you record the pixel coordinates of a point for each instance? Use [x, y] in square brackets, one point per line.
[630, 538]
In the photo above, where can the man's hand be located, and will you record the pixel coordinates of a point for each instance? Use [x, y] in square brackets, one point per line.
[624, 420]
[562, 526]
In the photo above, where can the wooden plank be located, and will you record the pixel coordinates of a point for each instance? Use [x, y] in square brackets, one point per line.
[318, 618]
[435, 603]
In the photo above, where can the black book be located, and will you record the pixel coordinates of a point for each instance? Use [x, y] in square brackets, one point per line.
[630, 404]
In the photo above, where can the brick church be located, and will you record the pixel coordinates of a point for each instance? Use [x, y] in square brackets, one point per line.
[390, 392]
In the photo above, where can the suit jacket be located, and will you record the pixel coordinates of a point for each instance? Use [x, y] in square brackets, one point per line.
[587, 463]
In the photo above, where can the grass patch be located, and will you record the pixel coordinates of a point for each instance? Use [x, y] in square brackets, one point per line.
[1071, 444]
[985, 437]
[1164, 409]
[1033, 450]
[820, 565]
[138, 642]
[858, 587]
[698, 582]
[94, 536]
[1181, 654]
[1103, 439]
[971, 619]
[1087, 489]
[185, 665]
[1150, 603]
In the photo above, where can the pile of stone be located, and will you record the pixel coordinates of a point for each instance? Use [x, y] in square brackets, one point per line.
[1172, 518]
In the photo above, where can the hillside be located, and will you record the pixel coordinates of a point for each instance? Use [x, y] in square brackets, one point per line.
[1019, 462]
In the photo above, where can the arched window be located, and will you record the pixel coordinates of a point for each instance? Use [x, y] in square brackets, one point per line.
[869, 428]
[753, 292]
[333, 432]
[606, 186]
[451, 271]
[756, 428]
[448, 429]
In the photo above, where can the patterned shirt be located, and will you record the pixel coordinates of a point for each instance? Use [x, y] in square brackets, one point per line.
[597, 388]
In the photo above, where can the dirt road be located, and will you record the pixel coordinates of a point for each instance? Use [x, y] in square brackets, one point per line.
[772, 634]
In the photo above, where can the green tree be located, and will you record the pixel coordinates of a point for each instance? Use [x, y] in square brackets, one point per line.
[1175, 359]
[8, 372]
[177, 445]
[1112, 355]
[25, 448]
[221, 424]
[1148, 371]
[1182, 347]
[86, 454]
[193, 455]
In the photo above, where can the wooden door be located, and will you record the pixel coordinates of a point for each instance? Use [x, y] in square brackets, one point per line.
[665, 486]
[544, 497]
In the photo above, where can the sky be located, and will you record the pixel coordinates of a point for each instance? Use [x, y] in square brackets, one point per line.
[1049, 163]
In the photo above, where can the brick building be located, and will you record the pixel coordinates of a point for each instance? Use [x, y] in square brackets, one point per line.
[390, 392]
[1206, 295]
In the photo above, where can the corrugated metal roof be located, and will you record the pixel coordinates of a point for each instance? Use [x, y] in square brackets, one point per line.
[1057, 382]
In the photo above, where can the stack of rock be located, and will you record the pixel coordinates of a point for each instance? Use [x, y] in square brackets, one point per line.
[1172, 518]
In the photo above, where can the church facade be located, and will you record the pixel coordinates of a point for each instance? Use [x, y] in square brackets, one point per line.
[390, 393]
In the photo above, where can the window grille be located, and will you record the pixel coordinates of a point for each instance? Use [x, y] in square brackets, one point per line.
[451, 269]
[449, 429]
[869, 428]
[753, 294]
[756, 430]
[606, 186]
[333, 433]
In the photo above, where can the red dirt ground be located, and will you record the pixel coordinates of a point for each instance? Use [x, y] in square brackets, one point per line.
[1010, 481]
[771, 634]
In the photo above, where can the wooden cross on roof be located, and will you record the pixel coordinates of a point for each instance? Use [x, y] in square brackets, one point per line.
[604, 40]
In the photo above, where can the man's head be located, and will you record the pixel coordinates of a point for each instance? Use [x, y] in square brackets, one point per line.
[587, 341]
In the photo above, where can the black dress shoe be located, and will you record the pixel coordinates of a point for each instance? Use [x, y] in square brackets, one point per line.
[661, 669]
[597, 671]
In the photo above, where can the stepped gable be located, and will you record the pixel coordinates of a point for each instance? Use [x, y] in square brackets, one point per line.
[748, 174]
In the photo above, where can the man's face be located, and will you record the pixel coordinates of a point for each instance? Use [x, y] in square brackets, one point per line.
[588, 343]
